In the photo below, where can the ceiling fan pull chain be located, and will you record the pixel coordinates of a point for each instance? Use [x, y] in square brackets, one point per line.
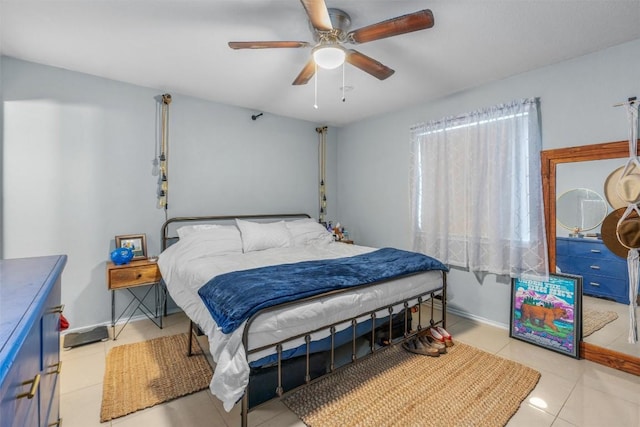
[315, 88]
[343, 98]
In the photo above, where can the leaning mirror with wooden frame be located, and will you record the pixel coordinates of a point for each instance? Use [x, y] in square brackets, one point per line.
[557, 166]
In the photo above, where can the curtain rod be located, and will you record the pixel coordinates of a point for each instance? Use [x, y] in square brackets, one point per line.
[466, 115]
[629, 101]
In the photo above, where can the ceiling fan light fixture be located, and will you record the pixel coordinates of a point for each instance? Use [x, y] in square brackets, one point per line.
[329, 56]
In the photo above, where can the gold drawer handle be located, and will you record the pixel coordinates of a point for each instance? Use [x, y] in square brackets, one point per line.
[58, 368]
[57, 423]
[34, 388]
[57, 308]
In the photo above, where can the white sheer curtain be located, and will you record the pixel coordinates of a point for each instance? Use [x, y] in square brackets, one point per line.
[476, 190]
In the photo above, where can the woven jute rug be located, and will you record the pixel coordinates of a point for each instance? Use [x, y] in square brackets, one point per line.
[594, 320]
[465, 387]
[147, 373]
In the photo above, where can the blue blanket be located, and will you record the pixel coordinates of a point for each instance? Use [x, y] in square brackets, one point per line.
[234, 297]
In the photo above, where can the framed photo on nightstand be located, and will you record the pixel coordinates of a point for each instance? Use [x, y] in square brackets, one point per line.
[136, 242]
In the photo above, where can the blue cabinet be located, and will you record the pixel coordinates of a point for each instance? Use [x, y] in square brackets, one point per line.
[604, 274]
[30, 341]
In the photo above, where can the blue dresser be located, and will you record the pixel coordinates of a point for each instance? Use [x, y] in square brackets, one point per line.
[604, 274]
[30, 341]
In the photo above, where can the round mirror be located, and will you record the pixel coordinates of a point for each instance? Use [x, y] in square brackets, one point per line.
[580, 209]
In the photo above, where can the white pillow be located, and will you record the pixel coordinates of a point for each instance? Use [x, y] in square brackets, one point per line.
[259, 236]
[308, 232]
[219, 240]
[185, 230]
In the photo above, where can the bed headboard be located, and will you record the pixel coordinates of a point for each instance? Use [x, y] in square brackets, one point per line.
[170, 236]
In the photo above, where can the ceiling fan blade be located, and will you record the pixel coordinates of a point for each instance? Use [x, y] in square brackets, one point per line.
[305, 75]
[392, 27]
[318, 14]
[265, 45]
[368, 65]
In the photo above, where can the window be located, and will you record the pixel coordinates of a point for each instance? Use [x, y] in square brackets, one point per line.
[476, 190]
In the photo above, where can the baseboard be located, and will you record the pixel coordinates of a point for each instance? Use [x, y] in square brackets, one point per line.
[108, 323]
[477, 318]
[437, 305]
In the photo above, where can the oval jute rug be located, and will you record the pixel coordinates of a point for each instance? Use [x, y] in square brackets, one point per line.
[594, 320]
[465, 387]
[147, 373]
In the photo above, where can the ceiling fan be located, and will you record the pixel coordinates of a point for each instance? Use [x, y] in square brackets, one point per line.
[330, 29]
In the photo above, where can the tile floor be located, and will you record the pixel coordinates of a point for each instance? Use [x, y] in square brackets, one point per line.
[570, 392]
[614, 335]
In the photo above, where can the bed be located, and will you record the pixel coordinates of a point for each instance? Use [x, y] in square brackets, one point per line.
[294, 310]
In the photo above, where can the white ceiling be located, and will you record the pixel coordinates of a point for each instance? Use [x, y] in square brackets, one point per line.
[180, 46]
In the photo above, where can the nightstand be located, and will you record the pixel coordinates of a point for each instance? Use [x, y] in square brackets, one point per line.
[132, 275]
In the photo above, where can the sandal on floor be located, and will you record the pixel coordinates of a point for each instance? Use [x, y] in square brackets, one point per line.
[437, 336]
[448, 339]
[409, 346]
[427, 340]
[417, 347]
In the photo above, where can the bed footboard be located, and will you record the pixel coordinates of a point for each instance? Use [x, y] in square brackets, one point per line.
[408, 331]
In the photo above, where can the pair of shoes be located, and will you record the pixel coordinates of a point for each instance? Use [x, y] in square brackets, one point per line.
[440, 335]
[429, 341]
[418, 347]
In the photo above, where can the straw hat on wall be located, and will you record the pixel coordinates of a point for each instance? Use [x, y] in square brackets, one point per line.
[622, 186]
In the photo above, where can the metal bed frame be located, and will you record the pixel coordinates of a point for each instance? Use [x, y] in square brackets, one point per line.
[408, 332]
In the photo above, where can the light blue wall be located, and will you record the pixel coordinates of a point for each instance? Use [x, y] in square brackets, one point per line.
[373, 155]
[1, 140]
[78, 170]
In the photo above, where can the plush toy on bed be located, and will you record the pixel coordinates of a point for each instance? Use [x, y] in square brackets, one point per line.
[338, 232]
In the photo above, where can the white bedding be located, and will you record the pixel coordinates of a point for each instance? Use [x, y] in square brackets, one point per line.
[185, 269]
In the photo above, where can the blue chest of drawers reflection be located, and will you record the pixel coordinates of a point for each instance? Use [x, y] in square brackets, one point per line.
[604, 274]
